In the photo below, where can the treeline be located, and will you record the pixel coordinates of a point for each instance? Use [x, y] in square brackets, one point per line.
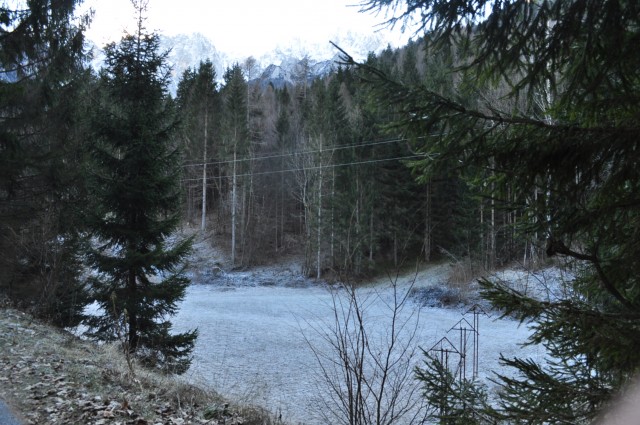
[319, 167]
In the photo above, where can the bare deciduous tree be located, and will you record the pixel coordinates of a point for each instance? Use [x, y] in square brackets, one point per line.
[367, 372]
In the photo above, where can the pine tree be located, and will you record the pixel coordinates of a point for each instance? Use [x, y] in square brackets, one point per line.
[41, 80]
[140, 267]
[235, 138]
[348, 203]
[284, 144]
[556, 122]
[197, 99]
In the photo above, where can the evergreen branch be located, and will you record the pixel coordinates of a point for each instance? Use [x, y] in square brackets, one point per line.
[416, 95]
[555, 246]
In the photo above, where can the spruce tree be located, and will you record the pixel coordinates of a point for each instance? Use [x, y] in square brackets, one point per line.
[41, 79]
[555, 119]
[235, 133]
[139, 263]
[199, 109]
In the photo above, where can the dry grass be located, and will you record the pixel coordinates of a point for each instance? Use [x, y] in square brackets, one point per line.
[50, 376]
[463, 274]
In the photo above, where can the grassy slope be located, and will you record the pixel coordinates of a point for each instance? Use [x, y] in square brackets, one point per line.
[49, 376]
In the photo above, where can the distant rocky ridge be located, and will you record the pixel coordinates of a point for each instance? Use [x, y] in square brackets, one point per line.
[280, 67]
[292, 70]
[186, 51]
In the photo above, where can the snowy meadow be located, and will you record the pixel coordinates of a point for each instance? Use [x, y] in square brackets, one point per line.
[268, 341]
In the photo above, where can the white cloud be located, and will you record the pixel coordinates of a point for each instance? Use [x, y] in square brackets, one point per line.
[240, 28]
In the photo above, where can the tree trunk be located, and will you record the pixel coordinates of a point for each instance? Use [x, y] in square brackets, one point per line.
[395, 249]
[371, 235]
[279, 202]
[204, 172]
[483, 245]
[358, 244]
[131, 313]
[333, 231]
[306, 222]
[427, 224]
[243, 219]
[233, 209]
[492, 251]
[319, 224]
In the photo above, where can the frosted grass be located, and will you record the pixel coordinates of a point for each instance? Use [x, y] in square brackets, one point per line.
[252, 348]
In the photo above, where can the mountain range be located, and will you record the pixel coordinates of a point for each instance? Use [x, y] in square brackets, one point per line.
[281, 66]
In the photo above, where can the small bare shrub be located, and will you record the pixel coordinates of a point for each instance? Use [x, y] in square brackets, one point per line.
[367, 376]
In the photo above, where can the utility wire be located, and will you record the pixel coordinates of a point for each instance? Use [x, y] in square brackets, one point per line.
[314, 167]
[293, 154]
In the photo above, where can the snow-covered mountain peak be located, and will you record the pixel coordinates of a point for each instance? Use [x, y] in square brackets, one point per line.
[355, 44]
[278, 66]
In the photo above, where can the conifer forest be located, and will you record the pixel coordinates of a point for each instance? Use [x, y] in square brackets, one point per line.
[505, 132]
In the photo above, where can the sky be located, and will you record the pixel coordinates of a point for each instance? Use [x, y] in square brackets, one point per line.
[242, 28]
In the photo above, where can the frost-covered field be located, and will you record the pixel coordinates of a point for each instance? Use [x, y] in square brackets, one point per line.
[254, 340]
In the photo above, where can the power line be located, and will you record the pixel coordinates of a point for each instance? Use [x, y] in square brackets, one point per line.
[293, 154]
[315, 167]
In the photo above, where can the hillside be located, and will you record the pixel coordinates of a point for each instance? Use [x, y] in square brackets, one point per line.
[50, 376]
